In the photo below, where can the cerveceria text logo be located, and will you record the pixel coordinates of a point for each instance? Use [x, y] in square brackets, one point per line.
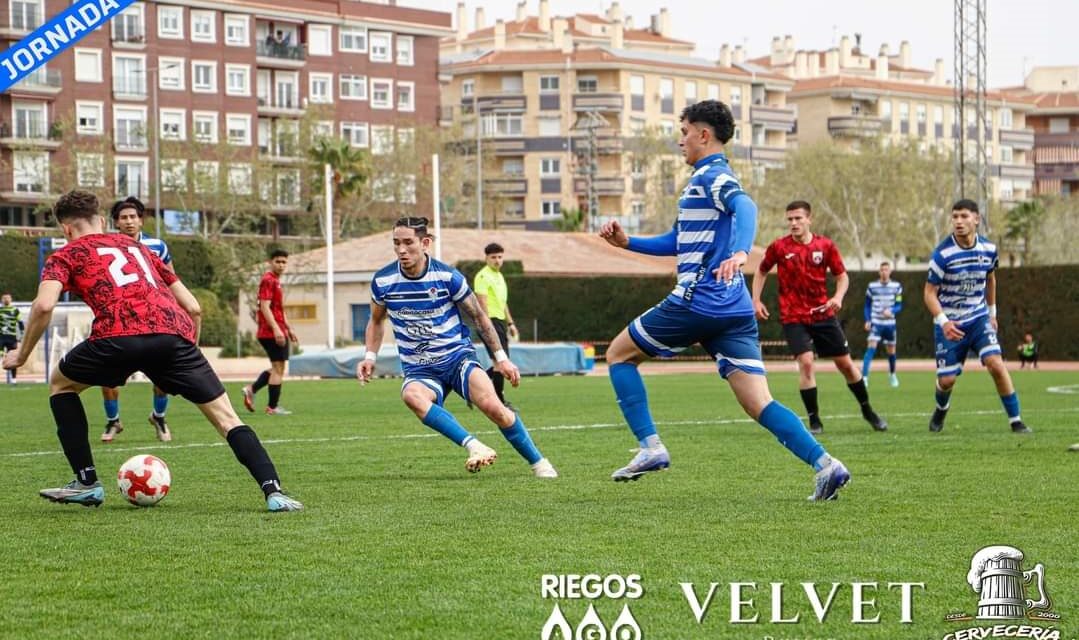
[591, 625]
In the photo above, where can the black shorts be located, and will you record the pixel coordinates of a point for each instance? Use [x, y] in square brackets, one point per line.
[826, 335]
[7, 343]
[175, 365]
[503, 338]
[276, 352]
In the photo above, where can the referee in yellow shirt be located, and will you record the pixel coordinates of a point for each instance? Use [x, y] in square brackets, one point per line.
[490, 289]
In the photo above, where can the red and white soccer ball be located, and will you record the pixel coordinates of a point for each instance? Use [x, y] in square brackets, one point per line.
[144, 480]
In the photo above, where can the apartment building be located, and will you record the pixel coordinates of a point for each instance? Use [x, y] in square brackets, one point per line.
[235, 73]
[845, 94]
[560, 99]
[1055, 121]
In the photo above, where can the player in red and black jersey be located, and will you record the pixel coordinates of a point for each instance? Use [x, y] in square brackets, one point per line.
[273, 334]
[808, 312]
[145, 320]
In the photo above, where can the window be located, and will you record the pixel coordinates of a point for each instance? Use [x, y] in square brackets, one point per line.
[236, 31]
[31, 171]
[713, 94]
[170, 74]
[205, 126]
[856, 108]
[737, 137]
[90, 169]
[513, 167]
[353, 87]
[237, 79]
[1058, 125]
[381, 90]
[636, 85]
[666, 127]
[238, 129]
[170, 22]
[129, 75]
[920, 113]
[666, 88]
[548, 84]
[551, 209]
[637, 125]
[550, 166]
[130, 128]
[355, 133]
[691, 92]
[89, 117]
[587, 84]
[380, 47]
[320, 87]
[381, 139]
[131, 174]
[205, 175]
[1007, 189]
[637, 166]
[1007, 155]
[286, 139]
[408, 189]
[27, 15]
[239, 178]
[404, 50]
[637, 209]
[203, 76]
[322, 129]
[938, 115]
[904, 111]
[202, 26]
[1005, 118]
[353, 39]
[173, 124]
[736, 95]
[468, 88]
[174, 174]
[319, 40]
[288, 188]
[406, 96]
[88, 65]
[30, 120]
[504, 124]
[550, 126]
[512, 84]
[886, 109]
[128, 26]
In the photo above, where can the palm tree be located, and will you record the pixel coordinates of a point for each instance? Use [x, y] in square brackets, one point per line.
[350, 172]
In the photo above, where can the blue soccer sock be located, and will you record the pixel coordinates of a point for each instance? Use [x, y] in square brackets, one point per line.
[787, 427]
[161, 405]
[891, 363]
[633, 401]
[943, 398]
[1011, 406]
[517, 435]
[112, 410]
[867, 361]
[443, 422]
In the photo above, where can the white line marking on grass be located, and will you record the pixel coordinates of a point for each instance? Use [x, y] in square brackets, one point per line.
[554, 427]
[1067, 388]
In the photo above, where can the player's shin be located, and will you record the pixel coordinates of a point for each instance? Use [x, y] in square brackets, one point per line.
[633, 401]
[251, 454]
[73, 431]
[791, 433]
[443, 422]
[518, 436]
[870, 353]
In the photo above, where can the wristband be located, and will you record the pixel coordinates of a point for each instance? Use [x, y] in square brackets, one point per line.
[371, 356]
[941, 319]
[992, 311]
[500, 356]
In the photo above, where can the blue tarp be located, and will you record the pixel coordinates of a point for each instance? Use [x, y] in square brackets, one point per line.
[531, 359]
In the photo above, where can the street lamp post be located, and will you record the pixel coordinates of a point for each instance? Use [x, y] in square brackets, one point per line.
[157, 147]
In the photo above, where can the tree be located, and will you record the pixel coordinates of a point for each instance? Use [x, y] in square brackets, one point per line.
[653, 165]
[571, 220]
[350, 166]
[1022, 223]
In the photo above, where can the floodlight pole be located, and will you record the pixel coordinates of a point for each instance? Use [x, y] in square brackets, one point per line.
[331, 339]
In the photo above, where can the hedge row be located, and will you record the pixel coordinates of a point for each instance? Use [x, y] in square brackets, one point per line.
[1040, 300]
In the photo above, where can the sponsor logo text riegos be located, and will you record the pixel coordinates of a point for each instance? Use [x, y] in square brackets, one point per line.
[591, 625]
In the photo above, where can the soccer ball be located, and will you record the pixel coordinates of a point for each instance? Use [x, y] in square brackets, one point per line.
[144, 480]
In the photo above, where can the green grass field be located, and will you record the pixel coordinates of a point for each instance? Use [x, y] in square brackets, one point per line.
[398, 541]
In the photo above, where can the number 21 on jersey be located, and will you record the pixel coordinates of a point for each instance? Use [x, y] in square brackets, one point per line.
[119, 261]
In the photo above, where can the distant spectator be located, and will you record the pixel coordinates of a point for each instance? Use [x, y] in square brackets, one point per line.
[11, 328]
[1028, 352]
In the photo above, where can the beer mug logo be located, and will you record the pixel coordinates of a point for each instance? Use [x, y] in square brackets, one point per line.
[591, 626]
[996, 575]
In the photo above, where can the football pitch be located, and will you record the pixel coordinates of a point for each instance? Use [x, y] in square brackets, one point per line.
[398, 541]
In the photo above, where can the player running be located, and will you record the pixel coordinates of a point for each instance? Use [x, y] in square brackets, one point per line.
[883, 302]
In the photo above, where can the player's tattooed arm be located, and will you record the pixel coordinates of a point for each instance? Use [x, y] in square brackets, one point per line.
[471, 307]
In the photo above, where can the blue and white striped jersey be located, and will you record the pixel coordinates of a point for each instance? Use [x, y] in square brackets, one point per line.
[423, 311]
[961, 274]
[881, 297]
[156, 246]
[705, 228]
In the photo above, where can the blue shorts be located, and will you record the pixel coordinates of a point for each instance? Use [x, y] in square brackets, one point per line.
[668, 328]
[882, 333]
[979, 337]
[442, 377]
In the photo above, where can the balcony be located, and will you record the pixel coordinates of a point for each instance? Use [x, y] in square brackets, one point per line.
[133, 139]
[1044, 140]
[773, 118]
[605, 145]
[854, 126]
[506, 186]
[501, 102]
[1018, 172]
[505, 146]
[279, 55]
[128, 35]
[41, 82]
[598, 102]
[606, 185]
[33, 134]
[1017, 138]
[24, 18]
[287, 105]
[132, 87]
[768, 155]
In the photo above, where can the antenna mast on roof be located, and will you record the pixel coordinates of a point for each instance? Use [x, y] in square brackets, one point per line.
[971, 122]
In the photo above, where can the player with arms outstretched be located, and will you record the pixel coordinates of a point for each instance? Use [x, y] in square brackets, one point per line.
[145, 320]
[423, 299]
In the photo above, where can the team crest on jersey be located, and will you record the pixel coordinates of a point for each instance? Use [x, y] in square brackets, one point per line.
[433, 292]
[818, 257]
